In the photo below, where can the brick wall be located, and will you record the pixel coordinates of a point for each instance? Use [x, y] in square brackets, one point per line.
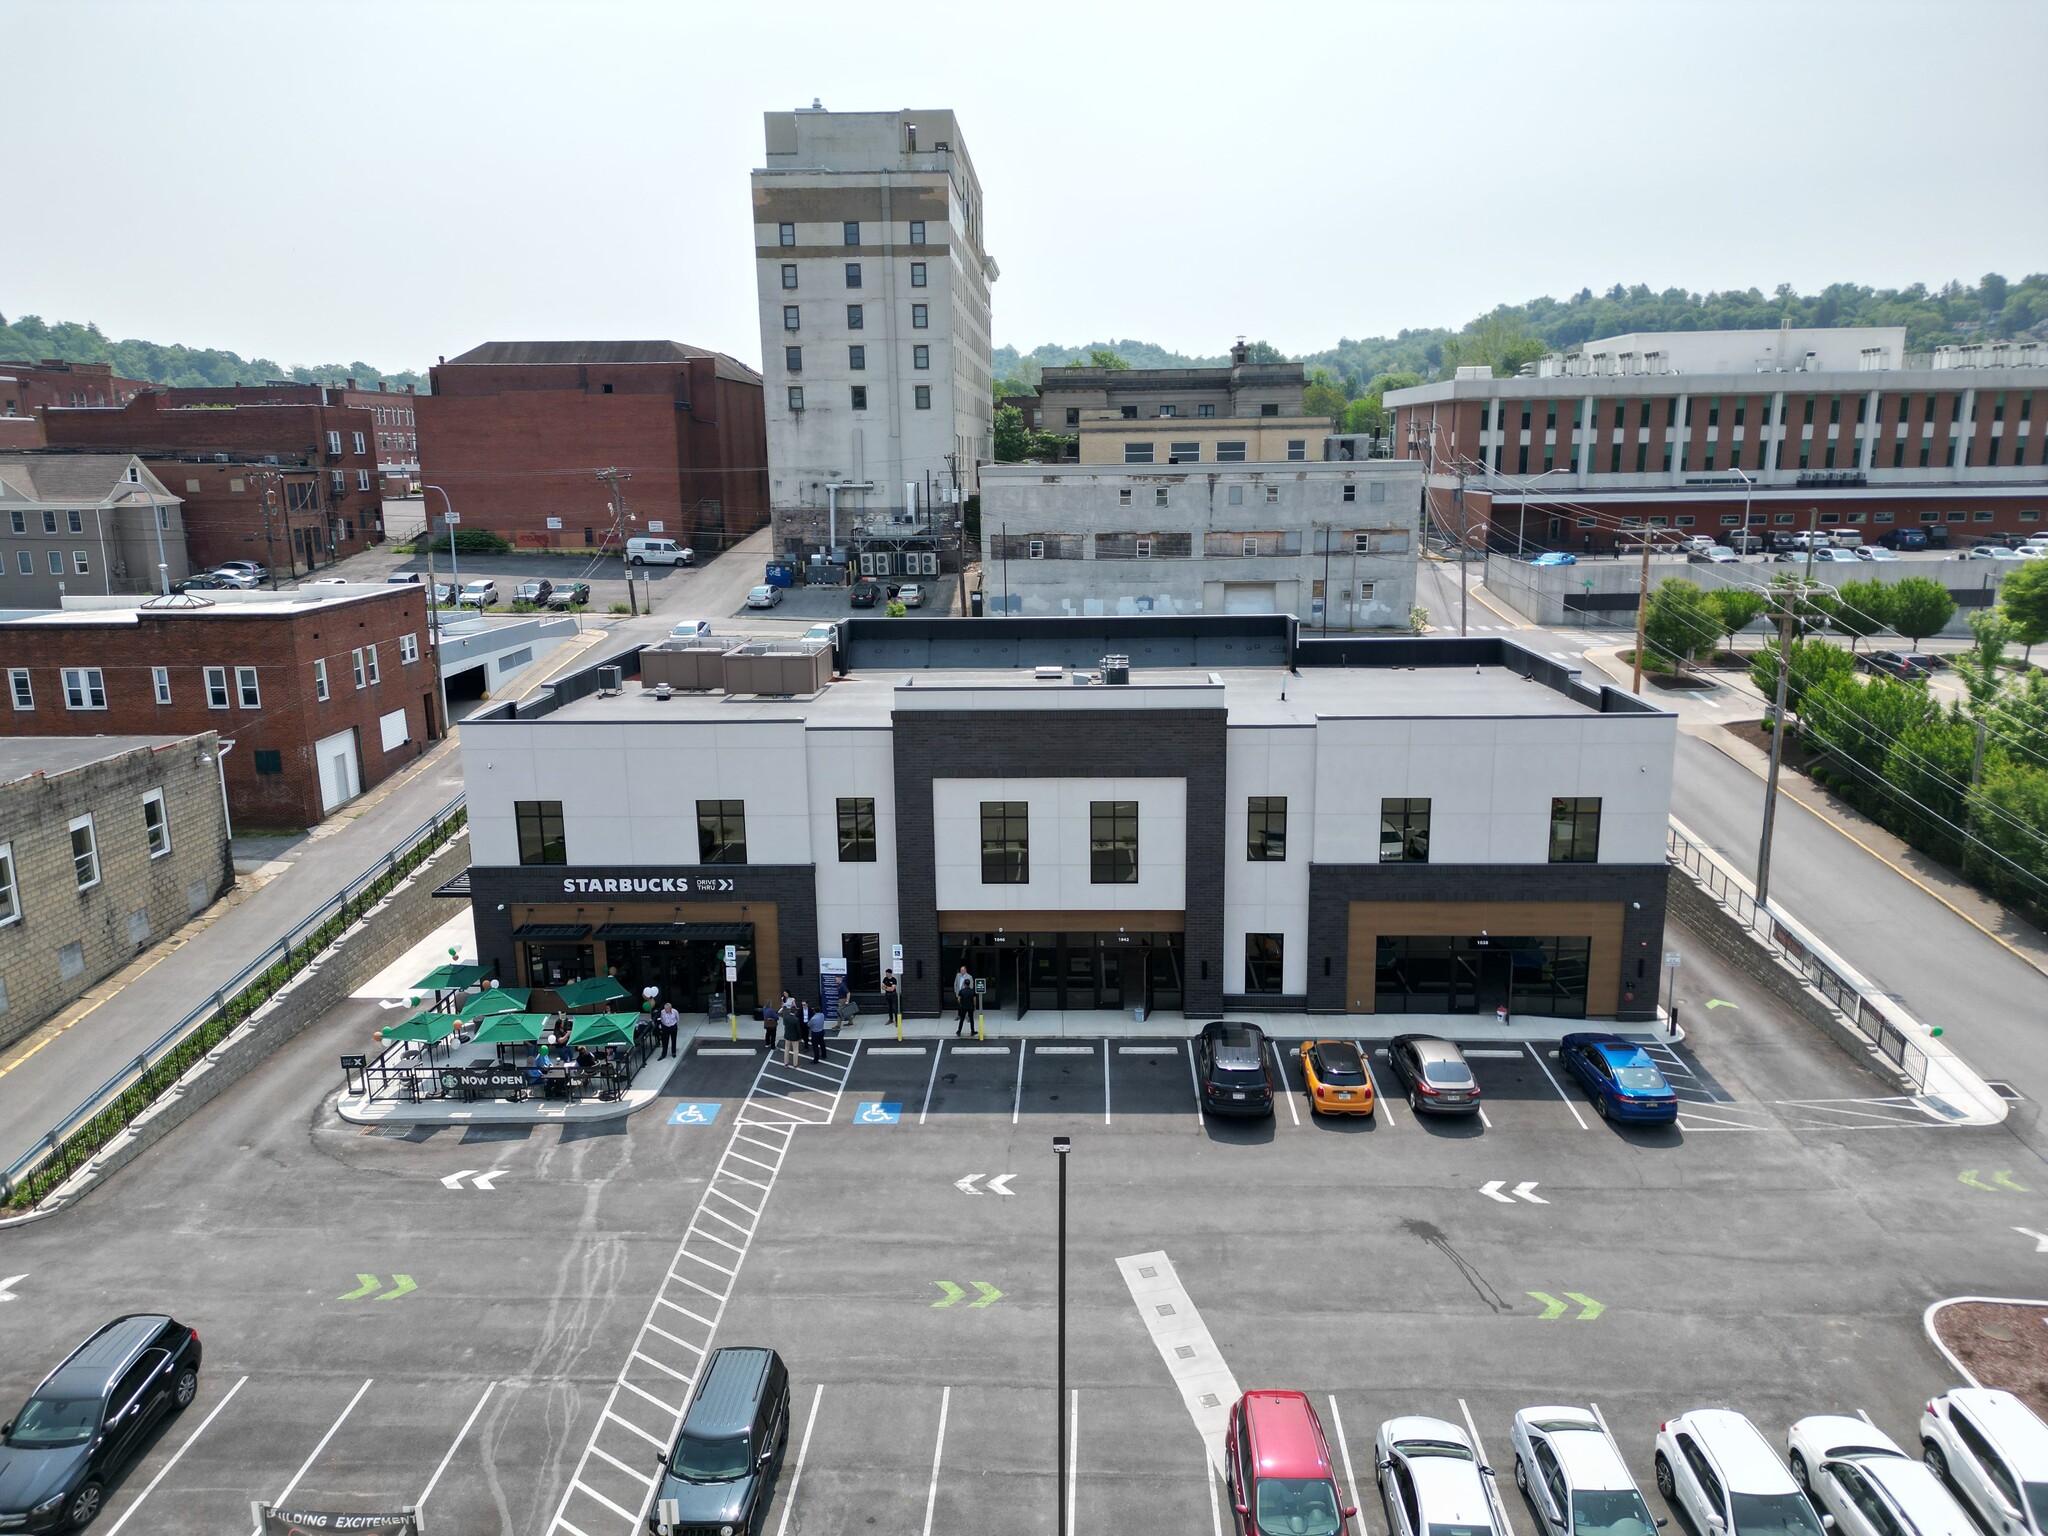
[157, 893]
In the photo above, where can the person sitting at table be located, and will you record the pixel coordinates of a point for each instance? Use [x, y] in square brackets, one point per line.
[585, 1059]
[543, 1061]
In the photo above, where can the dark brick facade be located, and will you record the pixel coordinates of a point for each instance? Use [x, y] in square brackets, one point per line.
[27, 387]
[1063, 744]
[1333, 887]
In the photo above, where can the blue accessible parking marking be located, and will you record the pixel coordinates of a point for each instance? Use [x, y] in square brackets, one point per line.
[693, 1114]
[877, 1114]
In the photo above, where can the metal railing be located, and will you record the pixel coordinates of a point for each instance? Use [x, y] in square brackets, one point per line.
[68, 1141]
[1846, 993]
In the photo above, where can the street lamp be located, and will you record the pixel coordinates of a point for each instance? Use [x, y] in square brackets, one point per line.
[1061, 1146]
[1522, 514]
[1748, 485]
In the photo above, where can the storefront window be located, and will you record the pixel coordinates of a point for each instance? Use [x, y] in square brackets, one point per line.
[1262, 962]
[1432, 973]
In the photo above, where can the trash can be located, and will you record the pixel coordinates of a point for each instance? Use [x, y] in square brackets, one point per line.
[974, 604]
[1138, 1013]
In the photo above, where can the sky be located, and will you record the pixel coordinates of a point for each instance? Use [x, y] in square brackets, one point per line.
[391, 183]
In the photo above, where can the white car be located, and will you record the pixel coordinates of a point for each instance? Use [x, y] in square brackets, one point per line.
[691, 629]
[327, 581]
[1875, 552]
[911, 596]
[1571, 1472]
[1990, 1447]
[822, 632]
[481, 593]
[1431, 1480]
[763, 596]
[1991, 552]
[1857, 1473]
[255, 568]
[1718, 1467]
[1717, 554]
[1838, 556]
[238, 576]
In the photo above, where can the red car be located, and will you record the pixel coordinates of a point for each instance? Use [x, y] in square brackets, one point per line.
[1277, 1471]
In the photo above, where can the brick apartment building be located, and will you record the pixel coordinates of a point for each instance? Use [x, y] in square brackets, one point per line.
[286, 474]
[317, 698]
[1698, 432]
[397, 440]
[514, 433]
[26, 387]
[107, 845]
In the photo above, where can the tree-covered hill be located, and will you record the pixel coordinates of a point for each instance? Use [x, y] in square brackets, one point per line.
[29, 338]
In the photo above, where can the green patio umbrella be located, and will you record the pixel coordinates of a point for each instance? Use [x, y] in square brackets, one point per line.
[601, 1029]
[511, 1029]
[583, 994]
[497, 1000]
[429, 1027]
[442, 977]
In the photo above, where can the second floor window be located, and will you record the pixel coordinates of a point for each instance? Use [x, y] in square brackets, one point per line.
[84, 688]
[921, 397]
[541, 839]
[855, 317]
[791, 319]
[920, 316]
[856, 829]
[1113, 842]
[1005, 842]
[851, 232]
[857, 359]
[1575, 830]
[920, 356]
[1266, 828]
[793, 359]
[1404, 831]
[217, 688]
[789, 274]
[721, 831]
[786, 233]
[245, 688]
[917, 274]
[853, 274]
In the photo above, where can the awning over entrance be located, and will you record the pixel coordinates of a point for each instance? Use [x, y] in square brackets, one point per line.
[457, 887]
[716, 933]
[558, 933]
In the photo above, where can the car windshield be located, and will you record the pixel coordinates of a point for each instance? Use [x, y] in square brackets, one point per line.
[1298, 1506]
[1438, 1528]
[2037, 1503]
[1611, 1512]
[1339, 1064]
[52, 1421]
[1450, 1448]
[1447, 1074]
[1773, 1514]
[711, 1461]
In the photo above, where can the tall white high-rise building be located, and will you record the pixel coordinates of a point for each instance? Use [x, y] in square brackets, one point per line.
[874, 290]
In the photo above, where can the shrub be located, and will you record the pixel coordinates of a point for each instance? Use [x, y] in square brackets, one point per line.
[468, 541]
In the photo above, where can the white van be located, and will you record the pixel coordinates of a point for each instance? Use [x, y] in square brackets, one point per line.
[658, 552]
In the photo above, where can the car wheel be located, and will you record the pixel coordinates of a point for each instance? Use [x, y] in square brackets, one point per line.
[84, 1507]
[1937, 1462]
[1414, 1102]
[1521, 1474]
[186, 1389]
[1600, 1104]
[1800, 1475]
[1666, 1484]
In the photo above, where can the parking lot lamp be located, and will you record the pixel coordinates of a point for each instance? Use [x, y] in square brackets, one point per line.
[1061, 1146]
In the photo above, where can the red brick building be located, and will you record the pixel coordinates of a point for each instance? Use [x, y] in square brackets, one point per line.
[397, 439]
[1668, 432]
[282, 473]
[27, 387]
[323, 697]
[514, 432]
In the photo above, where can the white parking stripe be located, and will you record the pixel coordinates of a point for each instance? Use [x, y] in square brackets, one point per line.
[1184, 1343]
[460, 1435]
[129, 1512]
[1215, 1510]
[1350, 1477]
[803, 1449]
[1492, 1486]
[1073, 1451]
[931, 1082]
[931, 1499]
[288, 1487]
[1148, 1050]
[1195, 1078]
[895, 1050]
[1379, 1101]
[1286, 1088]
[1536, 1057]
[1017, 1104]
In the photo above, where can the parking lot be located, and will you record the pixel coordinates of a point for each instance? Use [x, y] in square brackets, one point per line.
[379, 1330]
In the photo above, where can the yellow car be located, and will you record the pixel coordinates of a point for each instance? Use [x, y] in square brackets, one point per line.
[1338, 1083]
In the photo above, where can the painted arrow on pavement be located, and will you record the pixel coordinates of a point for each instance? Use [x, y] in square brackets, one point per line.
[1722, 1002]
[7, 1287]
[483, 1181]
[454, 1180]
[995, 1185]
[2002, 1179]
[955, 1293]
[1492, 1190]
[2040, 1246]
[1589, 1309]
[402, 1284]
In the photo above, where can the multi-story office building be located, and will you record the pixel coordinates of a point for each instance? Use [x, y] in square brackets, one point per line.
[1068, 397]
[874, 290]
[1704, 432]
[82, 523]
[1332, 542]
[1190, 815]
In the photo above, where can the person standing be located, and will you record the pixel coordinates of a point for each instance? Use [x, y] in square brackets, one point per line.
[790, 1025]
[889, 995]
[963, 999]
[768, 1027]
[671, 1022]
[818, 1022]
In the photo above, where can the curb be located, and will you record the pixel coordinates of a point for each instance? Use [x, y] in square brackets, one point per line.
[1927, 1324]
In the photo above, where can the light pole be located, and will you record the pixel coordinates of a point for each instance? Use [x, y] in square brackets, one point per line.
[454, 567]
[1061, 1146]
[1748, 485]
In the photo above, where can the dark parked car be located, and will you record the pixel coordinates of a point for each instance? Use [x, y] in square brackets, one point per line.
[205, 581]
[534, 591]
[725, 1457]
[1234, 1068]
[1435, 1074]
[89, 1418]
[404, 579]
[1905, 538]
[1892, 664]
[574, 595]
[866, 594]
[1624, 1082]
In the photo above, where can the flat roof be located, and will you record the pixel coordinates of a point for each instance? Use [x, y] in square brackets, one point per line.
[207, 605]
[23, 757]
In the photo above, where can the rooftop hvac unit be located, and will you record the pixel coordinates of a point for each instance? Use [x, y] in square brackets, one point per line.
[1048, 674]
[609, 681]
[1116, 669]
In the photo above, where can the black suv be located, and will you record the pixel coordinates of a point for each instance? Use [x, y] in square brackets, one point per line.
[89, 1417]
[1233, 1066]
[1893, 664]
[726, 1455]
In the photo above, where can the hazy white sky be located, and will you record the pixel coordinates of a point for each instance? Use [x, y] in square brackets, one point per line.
[321, 182]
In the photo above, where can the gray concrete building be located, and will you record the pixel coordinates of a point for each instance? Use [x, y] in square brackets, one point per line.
[107, 844]
[874, 292]
[84, 523]
[1334, 543]
[1069, 397]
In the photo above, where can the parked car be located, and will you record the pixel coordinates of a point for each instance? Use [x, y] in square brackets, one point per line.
[1745, 543]
[326, 581]
[1990, 552]
[481, 593]
[729, 1447]
[1892, 664]
[910, 595]
[1905, 538]
[763, 596]
[1431, 1480]
[1572, 1473]
[1277, 1472]
[236, 576]
[255, 568]
[1232, 1067]
[1713, 554]
[1821, 556]
[1335, 1078]
[404, 579]
[444, 593]
[646, 551]
[866, 594]
[1693, 541]
[205, 581]
[574, 594]
[1434, 1073]
[89, 1417]
[1854, 1471]
[536, 592]
[1931, 660]
[827, 632]
[1990, 1448]
[1875, 552]
[690, 629]
[1624, 1082]
[1716, 1466]
[1556, 557]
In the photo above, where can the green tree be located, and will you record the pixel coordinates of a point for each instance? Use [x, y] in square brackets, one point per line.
[1860, 721]
[1263, 352]
[2008, 813]
[1499, 341]
[1920, 607]
[1680, 624]
[1813, 662]
[1365, 415]
[1324, 395]
[1862, 609]
[1104, 357]
[1928, 769]
[1013, 439]
[1735, 609]
[2018, 719]
[1812, 603]
[1979, 666]
[2023, 599]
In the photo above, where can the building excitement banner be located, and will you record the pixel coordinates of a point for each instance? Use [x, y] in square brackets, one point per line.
[274, 1521]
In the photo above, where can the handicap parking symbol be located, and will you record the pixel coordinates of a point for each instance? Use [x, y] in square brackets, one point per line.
[693, 1114]
[878, 1114]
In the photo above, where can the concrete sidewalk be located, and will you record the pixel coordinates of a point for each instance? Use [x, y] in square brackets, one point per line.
[1114, 1024]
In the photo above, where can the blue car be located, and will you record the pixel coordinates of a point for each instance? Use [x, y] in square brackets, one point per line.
[1556, 557]
[1621, 1077]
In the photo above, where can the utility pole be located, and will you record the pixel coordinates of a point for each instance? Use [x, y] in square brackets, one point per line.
[1788, 603]
[615, 478]
[1329, 537]
[1464, 549]
[269, 544]
[1642, 612]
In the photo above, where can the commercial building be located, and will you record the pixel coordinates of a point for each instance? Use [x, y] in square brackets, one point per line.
[84, 523]
[1071, 397]
[398, 442]
[285, 474]
[874, 291]
[515, 431]
[1702, 432]
[107, 844]
[1332, 542]
[315, 697]
[26, 388]
[1189, 815]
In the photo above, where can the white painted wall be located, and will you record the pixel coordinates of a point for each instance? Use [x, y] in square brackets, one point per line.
[1060, 845]
[1268, 896]
[853, 898]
